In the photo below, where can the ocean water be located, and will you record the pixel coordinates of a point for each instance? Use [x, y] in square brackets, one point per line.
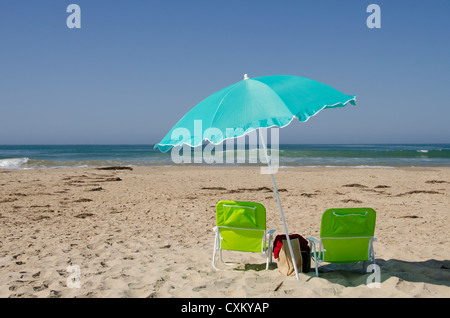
[355, 156]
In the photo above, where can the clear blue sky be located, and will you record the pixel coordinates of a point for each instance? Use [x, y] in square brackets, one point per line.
[136, 67]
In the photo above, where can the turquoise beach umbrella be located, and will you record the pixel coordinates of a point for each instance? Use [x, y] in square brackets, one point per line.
[251, 104]
[260, 102]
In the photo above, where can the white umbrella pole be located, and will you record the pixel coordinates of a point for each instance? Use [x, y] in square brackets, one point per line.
[275, 191]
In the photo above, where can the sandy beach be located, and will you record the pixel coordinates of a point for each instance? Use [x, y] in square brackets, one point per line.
[147, 232]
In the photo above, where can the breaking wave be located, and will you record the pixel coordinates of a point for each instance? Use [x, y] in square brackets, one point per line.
[13, 163]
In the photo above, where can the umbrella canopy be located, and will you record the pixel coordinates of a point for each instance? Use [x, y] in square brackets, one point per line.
[253, 103]
[268, 101]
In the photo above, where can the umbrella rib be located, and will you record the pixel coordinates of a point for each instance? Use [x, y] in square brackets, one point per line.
[221, 101]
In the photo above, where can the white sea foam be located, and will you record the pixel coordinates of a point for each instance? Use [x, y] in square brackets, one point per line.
[13, 163]
[328, 166]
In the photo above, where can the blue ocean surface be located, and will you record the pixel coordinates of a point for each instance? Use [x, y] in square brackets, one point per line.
[352, 155]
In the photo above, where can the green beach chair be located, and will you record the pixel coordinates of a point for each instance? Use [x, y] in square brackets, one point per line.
[241, 226]
[346, 236]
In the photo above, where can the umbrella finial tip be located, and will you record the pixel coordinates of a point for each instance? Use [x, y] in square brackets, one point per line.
[245, 76]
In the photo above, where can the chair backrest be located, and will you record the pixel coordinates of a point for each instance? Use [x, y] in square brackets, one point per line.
[242, 225]
[346, 233]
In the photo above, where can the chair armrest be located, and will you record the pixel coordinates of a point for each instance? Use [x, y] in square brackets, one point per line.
[312, 239]
[270, 232]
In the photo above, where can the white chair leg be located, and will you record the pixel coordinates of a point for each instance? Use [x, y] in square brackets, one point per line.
[269, 252]
[213, 262]
[374, 239]
[312, 243]
[374, 264]
[223, 262]
[214, 252]
[317, 267]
